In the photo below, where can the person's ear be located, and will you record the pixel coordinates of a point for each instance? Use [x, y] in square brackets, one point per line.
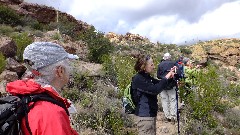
[60, 71]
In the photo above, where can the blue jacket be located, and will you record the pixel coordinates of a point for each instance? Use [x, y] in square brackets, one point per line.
[147, 90]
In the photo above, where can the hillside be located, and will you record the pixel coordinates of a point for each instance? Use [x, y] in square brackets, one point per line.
[106, 65]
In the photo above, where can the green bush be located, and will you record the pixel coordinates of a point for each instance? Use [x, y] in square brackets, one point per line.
[56, 36]
[233, 93]
[2, 62]
[110, 71]
[98, 45]
[6, 30]
[31, 22]
[38, 33]
[22, 40]
[124, 67]
[185, 51]
[201, 100]
[66, 27]
[232, 119]
[9, 16]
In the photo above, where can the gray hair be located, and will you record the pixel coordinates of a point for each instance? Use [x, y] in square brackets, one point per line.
[47, 73]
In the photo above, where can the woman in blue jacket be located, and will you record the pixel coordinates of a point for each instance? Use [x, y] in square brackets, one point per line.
[147, 90]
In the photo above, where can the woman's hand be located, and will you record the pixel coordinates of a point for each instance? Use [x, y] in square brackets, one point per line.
[171, 73]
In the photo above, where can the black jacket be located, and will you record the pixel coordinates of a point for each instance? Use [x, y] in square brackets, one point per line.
[163, 68]
[147, 90]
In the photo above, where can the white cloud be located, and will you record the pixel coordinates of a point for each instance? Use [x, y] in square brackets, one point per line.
[167, 21]
[220, 23]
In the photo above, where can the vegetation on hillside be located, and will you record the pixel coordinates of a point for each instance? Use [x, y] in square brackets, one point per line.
[2, 62]
[9, 16]
[98, 45]
[98, 98]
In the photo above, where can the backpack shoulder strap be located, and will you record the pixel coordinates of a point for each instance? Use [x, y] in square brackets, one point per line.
[48, 98]
[39, 97]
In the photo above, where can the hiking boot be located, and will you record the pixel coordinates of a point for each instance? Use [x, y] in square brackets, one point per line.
[173, 121]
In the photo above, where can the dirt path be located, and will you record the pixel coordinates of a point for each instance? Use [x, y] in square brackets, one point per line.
[165, 128]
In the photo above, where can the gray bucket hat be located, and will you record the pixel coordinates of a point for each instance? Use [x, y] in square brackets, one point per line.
[42, 54]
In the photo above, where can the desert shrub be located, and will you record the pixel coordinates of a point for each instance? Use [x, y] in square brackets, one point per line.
[110, 71]
[124, 67]
[146, 47]
[31, 22]
[38, 33]
[99, 112]
[9, 16]
[6, 30]
[22, 40]
[185, 51]
[82, 81]
[56, 36]
[233, 94]
[232, 120]
[52, 26]
[200, 100]
[98, 45]
[66, 27]
[2, 62]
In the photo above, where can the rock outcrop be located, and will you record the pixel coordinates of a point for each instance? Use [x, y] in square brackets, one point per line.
[7, 47]
[225, 50]
[128, 39]
[43, 14]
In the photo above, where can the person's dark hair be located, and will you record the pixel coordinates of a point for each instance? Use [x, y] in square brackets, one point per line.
[141, 62]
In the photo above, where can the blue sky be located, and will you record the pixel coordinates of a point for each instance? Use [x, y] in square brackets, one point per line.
[166, 21]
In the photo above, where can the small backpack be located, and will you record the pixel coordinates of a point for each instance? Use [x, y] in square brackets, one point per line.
[14, 108]
[129, 104]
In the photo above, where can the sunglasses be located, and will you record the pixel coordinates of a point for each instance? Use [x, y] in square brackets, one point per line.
[147, 57]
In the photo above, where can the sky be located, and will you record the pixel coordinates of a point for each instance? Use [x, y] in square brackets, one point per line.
[165, 21]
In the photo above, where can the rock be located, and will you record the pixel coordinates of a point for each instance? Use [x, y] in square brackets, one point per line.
[164, 130]
[232, 60]
[3, 87]
[224, 50]
[8, 47]
[125, 39]
[230, 52]
[9, 76]
[14, 66]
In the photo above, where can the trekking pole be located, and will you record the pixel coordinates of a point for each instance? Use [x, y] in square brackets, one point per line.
[178, 118]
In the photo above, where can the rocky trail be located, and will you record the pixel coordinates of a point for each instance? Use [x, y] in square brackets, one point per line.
[163, 127]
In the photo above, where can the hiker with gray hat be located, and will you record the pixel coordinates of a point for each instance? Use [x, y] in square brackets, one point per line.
[168, 95]
[48, 70]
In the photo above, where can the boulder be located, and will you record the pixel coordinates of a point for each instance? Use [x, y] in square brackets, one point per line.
[9, 76]
[8, 47]
[14, 66]
[3, 87]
